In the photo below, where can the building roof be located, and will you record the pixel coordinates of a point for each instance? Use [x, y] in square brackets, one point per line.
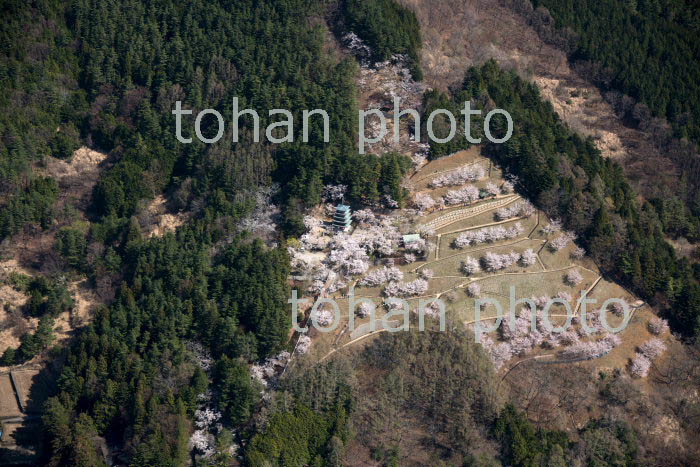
[342, 208]
[410, 238]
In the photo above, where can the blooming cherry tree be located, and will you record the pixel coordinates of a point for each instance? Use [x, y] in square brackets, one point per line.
[574, 277]
[658, 326]
[303, 344]
[470, 266]
[474, 290]
[492, 189]
[424, 202]
[334, 193]
[578, 253]
[426, 273]
[639, 368]
[652, 348]
[495, 262]
[528, 258]
[458, 177]
[521, 209]
[464, 195]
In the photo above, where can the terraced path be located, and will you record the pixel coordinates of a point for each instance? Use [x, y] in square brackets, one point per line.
[465, 213]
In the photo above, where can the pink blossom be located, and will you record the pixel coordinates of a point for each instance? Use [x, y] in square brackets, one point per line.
[652, 348]
[474, 290]
[528, 257]
[470, 266]
[657, 326]
[578, 253]
[424, 202]
[303, 344]
[464, 195]
[460, 176]
[574, 277]
[491, 189]
[639, 368]
[552, 227]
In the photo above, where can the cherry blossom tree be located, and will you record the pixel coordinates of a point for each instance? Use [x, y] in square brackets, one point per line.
[618, 308]
[303, 344]
[470, 266]
[334, 193]
[558, 243]
[520, 209]
[578, 253]
[381, 276]
[500, 354]
[528, 258]
[406, 289]
[492, 189]
[652, 348]
[424, 202]
[324, 317]
[418, 246]
[639, 368]
[464, 195]
[426, 273]
[658, 326]
[592, 349]
[460, 176]
[474, 290]
[364, 310]
[347, 255]
[574, 277]
[365, 217]
[565, 296]
[409, 258]
[507, 187]
[389, 202]
[495, 262]
[553, 227]
[487, 234]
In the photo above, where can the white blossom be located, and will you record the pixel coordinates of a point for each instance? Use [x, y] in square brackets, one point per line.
[574, 277]
[487, 234]
[495, 262]
[470, 266]
[364, 309]
[464, 195]
[657, 326]
[424, 202]
[578, 253]
[492, 189]
[426, 273]
[652, 348]
[520, 209]
[406, 289]
[303, 344]
[474, 290]
[552, 227]
[334, 192]
[639, 368]
[460, 176]
[528, 258]
[381, 276]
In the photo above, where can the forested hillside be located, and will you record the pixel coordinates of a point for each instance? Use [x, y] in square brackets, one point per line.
[643, 57]
[167, 372]
[107, 75]
[570, 180]
[647, 49]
